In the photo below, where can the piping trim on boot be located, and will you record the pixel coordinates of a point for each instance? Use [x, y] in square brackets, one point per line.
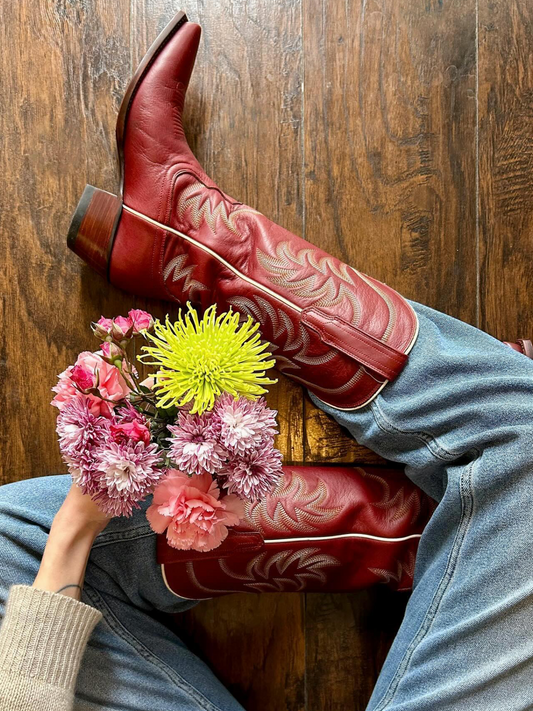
[201, 246]
[366, 536]
[273, 294]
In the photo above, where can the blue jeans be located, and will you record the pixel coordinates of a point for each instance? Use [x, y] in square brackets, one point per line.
[460, 418]
[132, 662]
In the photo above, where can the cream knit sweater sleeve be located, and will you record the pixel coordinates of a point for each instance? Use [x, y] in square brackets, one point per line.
[42, 640]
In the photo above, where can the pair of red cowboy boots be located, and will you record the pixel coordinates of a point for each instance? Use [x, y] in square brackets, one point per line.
[172, 234]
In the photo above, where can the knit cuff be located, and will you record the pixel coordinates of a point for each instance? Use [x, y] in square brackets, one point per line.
[43, 635]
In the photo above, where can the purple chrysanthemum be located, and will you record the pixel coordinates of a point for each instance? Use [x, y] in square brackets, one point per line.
[81, 434]
[127, 473]
[243, 423]
[255, 474]
[194, 445]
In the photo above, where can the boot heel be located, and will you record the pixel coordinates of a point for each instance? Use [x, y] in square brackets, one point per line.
[93, 227]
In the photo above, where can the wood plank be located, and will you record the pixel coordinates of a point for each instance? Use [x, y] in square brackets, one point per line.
[390, 143]
[348, 637]
[326, 441]
[255, 646]
[63, 69]
[390, 152]
[390, 160]
[506, 167]
[243, 121]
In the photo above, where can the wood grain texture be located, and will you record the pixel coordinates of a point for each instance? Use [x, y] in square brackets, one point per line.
[347, 640]
[63, 67]
[233, 104]
[396, 135]
[506, 167]
[390, 154]
[390, 142]
[253, 644]
[326, 441]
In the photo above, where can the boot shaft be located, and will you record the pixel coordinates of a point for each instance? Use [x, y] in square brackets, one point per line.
[177, 236]
[334, 529]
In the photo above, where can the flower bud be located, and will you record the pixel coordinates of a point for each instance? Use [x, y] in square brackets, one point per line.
[148, 382]
[122, 328]
[102, 328]
[112, 353]
[142, 321]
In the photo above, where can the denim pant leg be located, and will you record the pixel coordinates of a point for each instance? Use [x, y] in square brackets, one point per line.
[460, 417]
[132, 662]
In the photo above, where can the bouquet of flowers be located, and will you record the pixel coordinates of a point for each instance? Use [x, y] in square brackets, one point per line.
[197, 433]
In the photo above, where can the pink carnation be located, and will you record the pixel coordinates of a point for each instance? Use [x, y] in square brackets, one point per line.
[255, 474]
[191, 511]
[65, 389]
[194, 445]
[91, 370]
[243, 423]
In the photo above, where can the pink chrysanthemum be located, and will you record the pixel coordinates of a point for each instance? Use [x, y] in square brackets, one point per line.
[194, 445]
[128, 413]
[243, 423]
[127, 473]
[81, 434]
[255, 474]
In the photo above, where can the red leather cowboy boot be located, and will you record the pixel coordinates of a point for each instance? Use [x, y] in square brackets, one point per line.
[173, 234]
[522, 346]
[324, 529]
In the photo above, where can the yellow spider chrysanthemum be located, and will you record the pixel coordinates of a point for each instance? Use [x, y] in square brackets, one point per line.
[197, 359]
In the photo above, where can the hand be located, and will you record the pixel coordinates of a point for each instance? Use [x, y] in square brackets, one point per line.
[80, 513]
[76, 525]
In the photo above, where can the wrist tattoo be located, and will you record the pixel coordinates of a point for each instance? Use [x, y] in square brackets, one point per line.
[73, 585]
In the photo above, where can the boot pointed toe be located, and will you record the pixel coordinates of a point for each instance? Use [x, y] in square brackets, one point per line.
[179, 237]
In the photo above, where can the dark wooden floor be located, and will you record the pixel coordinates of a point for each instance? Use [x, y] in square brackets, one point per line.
[397, 134]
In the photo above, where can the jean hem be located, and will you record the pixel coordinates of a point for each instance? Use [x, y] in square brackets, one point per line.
[118, 628]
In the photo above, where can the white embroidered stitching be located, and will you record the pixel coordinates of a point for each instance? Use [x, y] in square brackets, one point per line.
[398, 505]
[292, 507]
[197, 202]
[285, 266]
[407, 567]
[261, 309]
[177, 265]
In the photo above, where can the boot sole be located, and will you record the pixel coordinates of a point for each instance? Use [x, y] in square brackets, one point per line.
[94, 223]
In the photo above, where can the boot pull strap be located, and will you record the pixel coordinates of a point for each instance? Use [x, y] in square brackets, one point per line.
[237, 542]
[352, 341]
